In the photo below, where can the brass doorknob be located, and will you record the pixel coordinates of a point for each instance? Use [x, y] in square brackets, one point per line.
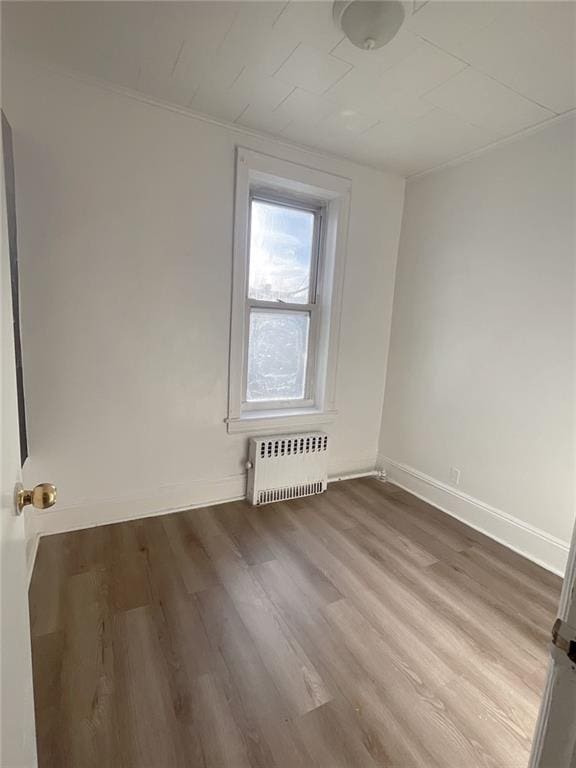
[41, 497]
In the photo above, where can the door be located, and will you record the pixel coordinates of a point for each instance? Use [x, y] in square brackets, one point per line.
[17, 733]
[555, 737]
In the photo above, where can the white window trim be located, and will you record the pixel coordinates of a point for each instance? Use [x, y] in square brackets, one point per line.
[256, 170]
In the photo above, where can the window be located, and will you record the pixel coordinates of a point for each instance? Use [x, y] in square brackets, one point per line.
[287, 283]
[283, 261]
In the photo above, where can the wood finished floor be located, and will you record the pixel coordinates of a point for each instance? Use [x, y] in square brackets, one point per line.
[358, 628]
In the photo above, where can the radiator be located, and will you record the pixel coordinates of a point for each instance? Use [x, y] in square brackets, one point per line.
[287, 467]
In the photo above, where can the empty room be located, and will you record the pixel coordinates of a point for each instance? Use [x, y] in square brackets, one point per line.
[288, 384]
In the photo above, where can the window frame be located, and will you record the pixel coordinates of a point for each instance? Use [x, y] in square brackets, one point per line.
[257, 176]
[311, 308]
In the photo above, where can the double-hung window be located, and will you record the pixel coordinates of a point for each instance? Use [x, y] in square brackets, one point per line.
[289, 238]
[281, 304]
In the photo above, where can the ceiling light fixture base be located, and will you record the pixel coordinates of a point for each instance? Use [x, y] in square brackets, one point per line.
[369, 24]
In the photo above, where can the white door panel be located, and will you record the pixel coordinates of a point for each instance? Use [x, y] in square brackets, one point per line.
[555, 737]
[17, 733]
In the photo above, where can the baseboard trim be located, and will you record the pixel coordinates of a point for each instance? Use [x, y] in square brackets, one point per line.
[163, 501]
[527, 540]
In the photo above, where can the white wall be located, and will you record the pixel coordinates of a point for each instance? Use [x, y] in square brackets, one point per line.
[125, 215]
[481, 366]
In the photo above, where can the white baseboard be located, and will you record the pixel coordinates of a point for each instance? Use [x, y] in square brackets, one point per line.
[163, 501]
[531, 542]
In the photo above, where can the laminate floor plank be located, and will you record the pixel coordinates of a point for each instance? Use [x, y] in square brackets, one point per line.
[523, 583]
[204, 523]
[523, 601]
[234, 521]
[457, 640]
[175, 614]
[48, 586]
[438, 540]
[471, 617]
[436, 523]
[257, 700]
[362, 628]
[535, 634]
[303, 570]
[149, 732]
[408, 692]
[223, 742]
[402, 542]
[193, 563]
[446, 640]
[400, 617]
[285, 660]
[128, 583]
[382, 732]
[47, 658]
[89, 549]
[332, 742]
[86, 686]
[405, 613]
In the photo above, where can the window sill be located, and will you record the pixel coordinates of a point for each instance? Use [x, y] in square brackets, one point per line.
[258, 422]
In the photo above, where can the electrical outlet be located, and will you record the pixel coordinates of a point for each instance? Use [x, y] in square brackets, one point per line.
[454, 476]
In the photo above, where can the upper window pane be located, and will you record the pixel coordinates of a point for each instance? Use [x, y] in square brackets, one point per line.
[281, 242]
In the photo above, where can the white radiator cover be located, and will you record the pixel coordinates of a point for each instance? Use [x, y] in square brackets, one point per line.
[284, 467]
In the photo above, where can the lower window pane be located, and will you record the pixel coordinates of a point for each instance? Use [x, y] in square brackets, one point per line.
[277, 355]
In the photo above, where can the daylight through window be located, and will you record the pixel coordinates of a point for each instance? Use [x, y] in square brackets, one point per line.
[284, 252]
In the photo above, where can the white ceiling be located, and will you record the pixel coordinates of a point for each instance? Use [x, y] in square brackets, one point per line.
[458, 76]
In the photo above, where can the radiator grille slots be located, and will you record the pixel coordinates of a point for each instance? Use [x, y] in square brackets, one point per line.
[291, 446]
[290, 492]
